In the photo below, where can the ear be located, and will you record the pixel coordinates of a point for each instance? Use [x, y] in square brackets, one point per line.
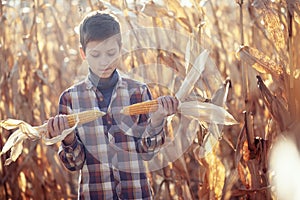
[82, 54]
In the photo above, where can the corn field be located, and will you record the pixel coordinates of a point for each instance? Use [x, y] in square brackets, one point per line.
[253, 58]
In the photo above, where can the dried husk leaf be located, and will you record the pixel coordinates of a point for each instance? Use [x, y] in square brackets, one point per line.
[215, 130]
[193, 75]
[16, 149]
[26, 131]
[12, 140]
[202, 111]
[207, 112]
[10, 124]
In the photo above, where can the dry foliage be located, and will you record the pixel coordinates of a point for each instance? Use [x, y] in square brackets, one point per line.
[39, 58]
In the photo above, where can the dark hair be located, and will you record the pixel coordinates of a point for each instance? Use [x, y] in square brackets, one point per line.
[98, 25]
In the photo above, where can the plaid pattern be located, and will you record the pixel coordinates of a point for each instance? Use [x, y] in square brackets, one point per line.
[109, 152]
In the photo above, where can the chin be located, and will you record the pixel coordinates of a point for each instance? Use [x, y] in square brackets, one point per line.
[105, 74]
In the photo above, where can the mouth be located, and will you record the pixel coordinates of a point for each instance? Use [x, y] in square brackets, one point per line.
[107, 70]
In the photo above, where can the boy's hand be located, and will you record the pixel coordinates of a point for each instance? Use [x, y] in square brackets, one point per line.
[167, 105]
[56, 125]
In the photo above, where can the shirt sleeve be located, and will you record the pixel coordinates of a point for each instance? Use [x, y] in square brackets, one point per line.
[73, 155]
[153, 137]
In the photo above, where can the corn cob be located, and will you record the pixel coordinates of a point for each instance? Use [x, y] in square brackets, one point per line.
[84, 117]
[141, 108]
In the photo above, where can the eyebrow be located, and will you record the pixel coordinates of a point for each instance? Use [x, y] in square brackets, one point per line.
[96, 50]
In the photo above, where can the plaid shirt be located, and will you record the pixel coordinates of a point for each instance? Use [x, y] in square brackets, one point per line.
[109, 151]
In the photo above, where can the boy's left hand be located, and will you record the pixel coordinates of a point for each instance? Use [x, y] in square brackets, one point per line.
[167, 105]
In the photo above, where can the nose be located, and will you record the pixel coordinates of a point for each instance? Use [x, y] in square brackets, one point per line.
[104, 61]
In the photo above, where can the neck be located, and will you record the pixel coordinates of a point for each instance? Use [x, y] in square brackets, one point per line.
[103, 83]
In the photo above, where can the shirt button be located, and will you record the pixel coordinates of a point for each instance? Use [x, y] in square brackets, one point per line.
[101, 98]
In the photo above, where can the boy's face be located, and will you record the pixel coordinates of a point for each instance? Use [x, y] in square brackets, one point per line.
[103, 56]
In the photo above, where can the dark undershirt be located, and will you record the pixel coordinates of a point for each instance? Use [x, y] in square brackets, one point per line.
[104, 85]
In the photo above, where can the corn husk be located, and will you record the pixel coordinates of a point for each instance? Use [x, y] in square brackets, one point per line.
[207, 112]
[202, 111]
[193, 75]
[26, 131]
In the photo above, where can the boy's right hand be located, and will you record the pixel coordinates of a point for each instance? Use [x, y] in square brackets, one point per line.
[56, 125]
[167, 105]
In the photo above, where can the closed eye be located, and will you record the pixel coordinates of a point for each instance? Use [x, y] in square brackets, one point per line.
[95, 54]
[111, 52]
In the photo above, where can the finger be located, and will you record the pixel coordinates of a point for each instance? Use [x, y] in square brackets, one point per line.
[66, 124]
[165, 105]
[50, 127]
[169, 103]
[175, 104]
[61, 123]
[56, 124]
[160, 103]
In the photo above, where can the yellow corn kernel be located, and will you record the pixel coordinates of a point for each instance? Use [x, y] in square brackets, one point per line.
[84, 117]
[141, 108]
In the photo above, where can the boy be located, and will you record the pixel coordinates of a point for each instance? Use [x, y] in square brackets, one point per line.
[109, 151]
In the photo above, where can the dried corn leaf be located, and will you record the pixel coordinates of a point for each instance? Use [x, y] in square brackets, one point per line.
[297, 17]
[209, 142]
[260, 4]
[154, 10]
[216, 174]
[296, 74]
[187, 55]
[176, 8]
[276, 107]
[186, 191]
[185, 23]
[239, 146]
[273, 27]
[294, 8]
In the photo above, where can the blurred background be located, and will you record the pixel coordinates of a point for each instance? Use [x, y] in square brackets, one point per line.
[254, 51]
